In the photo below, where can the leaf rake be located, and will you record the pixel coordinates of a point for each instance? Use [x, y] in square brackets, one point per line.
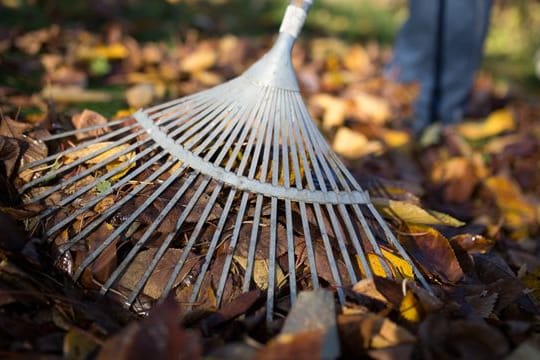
[226, 190]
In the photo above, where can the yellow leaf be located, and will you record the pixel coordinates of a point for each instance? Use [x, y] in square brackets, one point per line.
[357, 60]
[410, 307]
[99, 157]
[122, 113]
[518, 212]
[372, 108]
[334, 109]
[399, 267]
[202, 59]
[113, 51]
[260, 272]
[395, 138]
[353, 144]
[496, 123]
[411, 213]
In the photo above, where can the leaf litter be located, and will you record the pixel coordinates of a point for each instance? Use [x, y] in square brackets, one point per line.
[465, 204]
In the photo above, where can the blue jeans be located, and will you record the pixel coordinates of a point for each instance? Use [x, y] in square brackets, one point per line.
[440, 46]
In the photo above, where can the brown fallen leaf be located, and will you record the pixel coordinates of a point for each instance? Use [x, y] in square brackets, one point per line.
[160, 335]
[518, 212]
[86, 119]
[157, 281]
[432, 252]
[442, 338]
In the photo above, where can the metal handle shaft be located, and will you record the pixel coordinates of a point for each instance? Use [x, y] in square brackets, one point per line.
[295, 17]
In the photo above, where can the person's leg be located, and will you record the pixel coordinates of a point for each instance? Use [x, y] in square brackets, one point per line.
[414, 54]
[465, 31]
[440, 46]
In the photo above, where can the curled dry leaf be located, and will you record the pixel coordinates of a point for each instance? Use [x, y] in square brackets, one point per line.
[432, 252]
[9, 155]
[86, 119]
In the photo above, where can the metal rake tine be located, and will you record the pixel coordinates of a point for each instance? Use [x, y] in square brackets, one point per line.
[294, 134]
[161, 250]
[107, 213]
[322, 227]
[246, 126]
[250, 261]
[79, 147]
[84, 159]
[224, 135]
[115, 207]
[147, 164]
[257, 132]
[106, 176]
[359, 214]
[394, 241]
[286, 182]
[273, 216]
[330, 162]
[149, 232]
[217, 233]
[84, 130]
[58, 226]
[119, 230]
[154, 196]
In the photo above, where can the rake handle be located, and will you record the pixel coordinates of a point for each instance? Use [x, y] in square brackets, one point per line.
[295, 17]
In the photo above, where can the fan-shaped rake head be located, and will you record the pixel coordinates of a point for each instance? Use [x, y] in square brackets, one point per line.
[214, 194]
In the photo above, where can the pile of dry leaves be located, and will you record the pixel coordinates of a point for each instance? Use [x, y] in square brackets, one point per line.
[478, 243]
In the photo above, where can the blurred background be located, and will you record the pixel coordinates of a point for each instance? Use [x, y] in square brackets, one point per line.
[510, 51]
